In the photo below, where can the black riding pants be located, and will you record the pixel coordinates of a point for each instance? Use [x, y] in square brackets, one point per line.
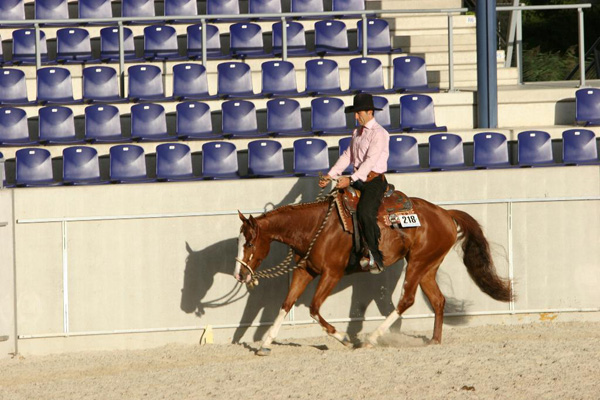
[368, 205]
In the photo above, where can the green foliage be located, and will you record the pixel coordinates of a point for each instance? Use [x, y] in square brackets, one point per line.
[548, 66]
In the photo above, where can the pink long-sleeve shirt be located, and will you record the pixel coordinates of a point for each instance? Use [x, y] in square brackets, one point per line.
[367, 152]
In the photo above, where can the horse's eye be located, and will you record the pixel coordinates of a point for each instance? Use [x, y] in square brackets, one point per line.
[249, 245]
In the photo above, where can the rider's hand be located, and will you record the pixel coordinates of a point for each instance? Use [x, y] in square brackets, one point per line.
[324, 181]
[343, 182]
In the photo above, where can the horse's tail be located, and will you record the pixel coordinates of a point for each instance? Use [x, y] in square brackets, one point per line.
[478, 259]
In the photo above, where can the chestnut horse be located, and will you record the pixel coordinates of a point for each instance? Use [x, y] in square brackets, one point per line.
[424, 249]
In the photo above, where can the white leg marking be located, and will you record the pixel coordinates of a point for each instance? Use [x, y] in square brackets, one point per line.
[272, 333]
[393, 317]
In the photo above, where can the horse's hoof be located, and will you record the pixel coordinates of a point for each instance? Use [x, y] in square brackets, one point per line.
[366, 345]
[434, 342]
[263, 351]
[347, 342]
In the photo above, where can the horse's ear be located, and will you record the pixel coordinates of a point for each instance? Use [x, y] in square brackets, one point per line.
[244, 219]
[253, 222]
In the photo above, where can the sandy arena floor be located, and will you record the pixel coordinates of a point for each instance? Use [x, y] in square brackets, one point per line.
[537, 361]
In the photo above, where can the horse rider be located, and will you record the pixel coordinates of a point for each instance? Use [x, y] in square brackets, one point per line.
[368, 153]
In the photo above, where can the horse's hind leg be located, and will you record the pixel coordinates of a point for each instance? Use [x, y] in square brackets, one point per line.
[300, 279]
[326, 285]
[437, 301]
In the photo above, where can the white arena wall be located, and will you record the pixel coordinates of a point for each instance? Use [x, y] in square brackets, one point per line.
[142, 265]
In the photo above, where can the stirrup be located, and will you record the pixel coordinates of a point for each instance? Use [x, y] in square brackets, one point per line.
[369, 264]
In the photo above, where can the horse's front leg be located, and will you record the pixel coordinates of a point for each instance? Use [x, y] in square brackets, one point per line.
[326, 285]
[300, 279]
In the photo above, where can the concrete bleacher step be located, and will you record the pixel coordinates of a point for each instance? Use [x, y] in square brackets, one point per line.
[412, 4]
[435, 42]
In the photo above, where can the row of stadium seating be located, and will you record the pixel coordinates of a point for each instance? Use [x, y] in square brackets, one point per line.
[80, 164]
[56, 124]
[74, 45]
[100, 84]
[14, 10]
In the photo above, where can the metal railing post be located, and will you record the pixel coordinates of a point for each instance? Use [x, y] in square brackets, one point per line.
[38, 55]
[519, 46]
[284, 54]
[581, 49]
[365, 47]
[121, 59]
[450, 53]
[203, 22]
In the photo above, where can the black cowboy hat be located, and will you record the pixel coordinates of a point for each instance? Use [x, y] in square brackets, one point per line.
[362, 102]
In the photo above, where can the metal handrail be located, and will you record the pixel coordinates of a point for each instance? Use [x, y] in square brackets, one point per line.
[120, 21]
[592, 49]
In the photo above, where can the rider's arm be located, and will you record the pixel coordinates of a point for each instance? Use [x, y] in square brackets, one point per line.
[341, 163]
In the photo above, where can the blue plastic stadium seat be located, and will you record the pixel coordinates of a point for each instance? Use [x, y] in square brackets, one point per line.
[128, 164]
[404, 154]
[146, 83]
[52, 9]
[296, 40]
[57, 126]
[246, 40]
[264, 7]
[239, 119]
[213, 42]
[579, 147]
[348, 5]
[101, 85]
[366, 75]
[181, 7]
[12, 10]
[23, 47]
[331, 38]
[534, 149]
[343, 144]
[378, 37]
[219, 7]
[303, 6]
[410, 75]
[323, 77]
[81, 166]
[383, 117]
[235, 80]
[160, 43]
[278, 79]
[109, 45]
[311, 156]
[14, 130]
[328, 117]
[417, 114]
[190, 82]
[446, 152]
[138, 8]
[587, 107]
[194, 121]
[13, 87]
[174, 162]
[73, 46]
[54, 86]
[265, 159]
[149, 123]
[95, 9]
[34, 167]
[219, 161]
[284, 118]
[490, 150]
[103, 124]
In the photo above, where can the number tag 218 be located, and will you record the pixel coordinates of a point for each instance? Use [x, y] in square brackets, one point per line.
[409, 220]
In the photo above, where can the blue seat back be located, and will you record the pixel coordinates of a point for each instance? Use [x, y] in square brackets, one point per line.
[343, 144]
[127, 162]
[534, 147]
[148, 120]
[331, 35]
[73, 43]
[366, 74]
[193, 118]
[416, 111]
[102, 120]
[100, 83]
[311, 156]
[265, 157]
[219, 159]
[490, 149]
[54, 84]
[239, 117]
[12, 10]
[145, 81]
[378, 34]
[222, 7]
[322, 75]
[445, 151]
[13, 125]
[173, 161]
[296, 38]
[137, 8]
[587, 103]
[160, 40]
[348, 5]
[56, 123]
[283, 115]
[327, 113]
[382, 116]
[109, 43]
[404, 153]
[278, 77]
[95, 9]
[51, 9]
[80, 164]
[409, 72]
[245, 38]
[579, 146]
[23, 47]
[13, 86]
[181, 7]
[189, 80]
[194, 40]
[33, 166]
[264, 6]
[307, 6]
[234, 78]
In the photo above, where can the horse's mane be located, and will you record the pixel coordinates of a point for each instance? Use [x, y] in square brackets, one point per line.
[295, 206]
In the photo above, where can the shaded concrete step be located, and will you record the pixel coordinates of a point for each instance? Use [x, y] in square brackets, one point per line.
[412, 4]
[427, 22]
[461, 57]
[435, 42]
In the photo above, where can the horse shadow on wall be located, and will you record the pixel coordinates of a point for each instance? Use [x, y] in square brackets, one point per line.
[203, 266]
